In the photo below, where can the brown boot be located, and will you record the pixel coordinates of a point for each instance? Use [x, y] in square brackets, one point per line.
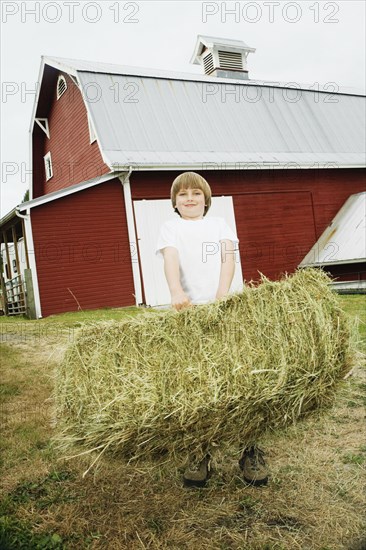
[254, 468]
[197, 474]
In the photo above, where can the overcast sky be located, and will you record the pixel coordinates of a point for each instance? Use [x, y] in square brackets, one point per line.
[305, 42]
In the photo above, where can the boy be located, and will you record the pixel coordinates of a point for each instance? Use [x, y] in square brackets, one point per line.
[199, 266]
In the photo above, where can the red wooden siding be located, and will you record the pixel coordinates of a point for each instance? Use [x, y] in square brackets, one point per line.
[279, 213]
[276, 229]
[82, 250]
[74, 158]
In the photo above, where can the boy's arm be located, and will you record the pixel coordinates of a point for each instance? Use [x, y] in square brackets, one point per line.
[227, 267]
[171, 269]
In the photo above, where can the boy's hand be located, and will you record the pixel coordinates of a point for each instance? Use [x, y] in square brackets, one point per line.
[227, 268]
[180, 300]
[220, 294]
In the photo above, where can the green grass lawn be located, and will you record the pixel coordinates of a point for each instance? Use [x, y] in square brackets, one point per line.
[355, 305]
[76, 317]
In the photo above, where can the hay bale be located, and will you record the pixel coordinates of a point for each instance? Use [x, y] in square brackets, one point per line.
[215, 374]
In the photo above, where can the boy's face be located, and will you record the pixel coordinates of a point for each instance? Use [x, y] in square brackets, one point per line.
[190, 204]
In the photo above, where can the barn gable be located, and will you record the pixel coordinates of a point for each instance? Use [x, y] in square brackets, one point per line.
[63, 152]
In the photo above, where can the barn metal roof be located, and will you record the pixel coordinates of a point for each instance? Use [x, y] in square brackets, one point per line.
[165, 121]
[64, 192]
[344, 240]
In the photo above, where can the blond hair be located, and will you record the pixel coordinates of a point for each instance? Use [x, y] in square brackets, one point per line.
[190, 180]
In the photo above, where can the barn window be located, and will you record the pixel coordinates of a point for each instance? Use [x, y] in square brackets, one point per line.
[61, 86]
[92, 135]
[7, 273]
[15, 269]
[48, 166]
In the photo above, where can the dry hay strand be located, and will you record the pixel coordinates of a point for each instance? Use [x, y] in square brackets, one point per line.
[213, 375]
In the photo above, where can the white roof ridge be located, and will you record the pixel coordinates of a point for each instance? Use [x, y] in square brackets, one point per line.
[86, 65]
[80, 65]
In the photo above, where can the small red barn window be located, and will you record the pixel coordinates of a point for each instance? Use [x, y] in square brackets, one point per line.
[48, 166]
[61, 86]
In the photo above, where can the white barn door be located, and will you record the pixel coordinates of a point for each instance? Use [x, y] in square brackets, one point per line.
[150, 215]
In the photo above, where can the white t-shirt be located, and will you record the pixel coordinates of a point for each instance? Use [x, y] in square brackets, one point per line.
[199, 249]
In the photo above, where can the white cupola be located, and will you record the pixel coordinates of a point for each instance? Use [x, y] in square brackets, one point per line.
[222, 57]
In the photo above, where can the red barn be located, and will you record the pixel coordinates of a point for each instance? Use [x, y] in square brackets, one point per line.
[107, 142]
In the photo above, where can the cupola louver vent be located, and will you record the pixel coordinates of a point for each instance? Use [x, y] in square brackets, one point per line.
[231, 61]
[208, 63]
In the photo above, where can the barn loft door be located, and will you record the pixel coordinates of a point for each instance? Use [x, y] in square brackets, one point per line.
[276, 231]
[150, 215]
